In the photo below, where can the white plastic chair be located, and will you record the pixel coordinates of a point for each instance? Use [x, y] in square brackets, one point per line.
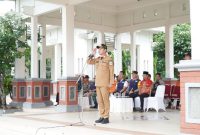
[137, 102]
[84, 102]
[157, 102]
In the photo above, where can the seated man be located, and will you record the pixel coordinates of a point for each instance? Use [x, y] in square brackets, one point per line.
[86, 88]
[144, 89]
[93, 95]
[122, 84]
[158, 81]
[133, 87]
[85, 85]
[80, 81]
[149, 76]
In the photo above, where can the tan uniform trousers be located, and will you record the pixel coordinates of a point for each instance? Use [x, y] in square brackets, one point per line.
[103, 101]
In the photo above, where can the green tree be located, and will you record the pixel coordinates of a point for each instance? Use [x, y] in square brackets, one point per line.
[182, 44]
[126, 62]
[159, 53]
[12, 31]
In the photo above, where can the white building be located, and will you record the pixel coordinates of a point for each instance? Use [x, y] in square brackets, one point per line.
[71, 18]
[129, 21]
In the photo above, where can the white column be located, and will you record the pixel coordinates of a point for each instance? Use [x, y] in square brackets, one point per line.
[195, 27]
[52, 57]
[34, 47]
[20, 67]
[90, 70]
[68, 40]
[133, 51]
[117, 55]
[43, 56]
[17, 5]
[169, 52]
[57, 64]
[102, 38]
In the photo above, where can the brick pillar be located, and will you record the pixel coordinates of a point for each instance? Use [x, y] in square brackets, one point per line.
[37, 93]
[188, 77]
[31, 93]
[19, 92]
[68, 95]
[190, 96]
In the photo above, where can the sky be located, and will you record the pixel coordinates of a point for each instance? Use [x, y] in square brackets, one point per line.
[6, 6]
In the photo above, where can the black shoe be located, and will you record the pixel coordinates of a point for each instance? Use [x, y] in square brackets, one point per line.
[150, 109]
[99, 120]
[134, 109]
[105, 121]
[141, 110]
[93, 107]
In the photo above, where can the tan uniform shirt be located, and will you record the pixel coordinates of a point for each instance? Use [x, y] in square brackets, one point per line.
[104, 70]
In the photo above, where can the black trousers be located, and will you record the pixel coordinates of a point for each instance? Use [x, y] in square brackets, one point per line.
[134, 95]
[142, 96]
[153, 93]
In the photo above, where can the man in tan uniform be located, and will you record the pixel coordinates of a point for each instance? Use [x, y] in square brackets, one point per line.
[104, 80]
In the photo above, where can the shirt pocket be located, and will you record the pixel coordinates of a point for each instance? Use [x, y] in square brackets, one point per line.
[104, 66]
[96, 65]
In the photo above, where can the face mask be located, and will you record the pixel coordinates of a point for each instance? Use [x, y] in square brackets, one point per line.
[97, 53]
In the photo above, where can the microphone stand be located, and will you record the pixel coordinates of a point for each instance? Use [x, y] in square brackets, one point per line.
[80, 96]
[81, 122]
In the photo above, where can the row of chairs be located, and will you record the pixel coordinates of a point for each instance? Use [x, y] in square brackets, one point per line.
[157, 102]
[172, 95]
[172, 91]
[163, 91]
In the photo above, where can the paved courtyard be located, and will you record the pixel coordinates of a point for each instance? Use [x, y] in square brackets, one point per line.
[46, 121]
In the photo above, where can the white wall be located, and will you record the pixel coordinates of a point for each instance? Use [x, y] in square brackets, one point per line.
[145, 54]
[83, 48]
[125, 38]
[50, 54]
[81, 51]
[53, 35]
[144, 40]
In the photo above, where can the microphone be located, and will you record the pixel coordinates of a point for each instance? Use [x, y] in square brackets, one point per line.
[92, 54]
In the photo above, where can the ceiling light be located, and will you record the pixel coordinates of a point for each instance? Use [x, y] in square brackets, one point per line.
[155, 12]
[144, 15]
